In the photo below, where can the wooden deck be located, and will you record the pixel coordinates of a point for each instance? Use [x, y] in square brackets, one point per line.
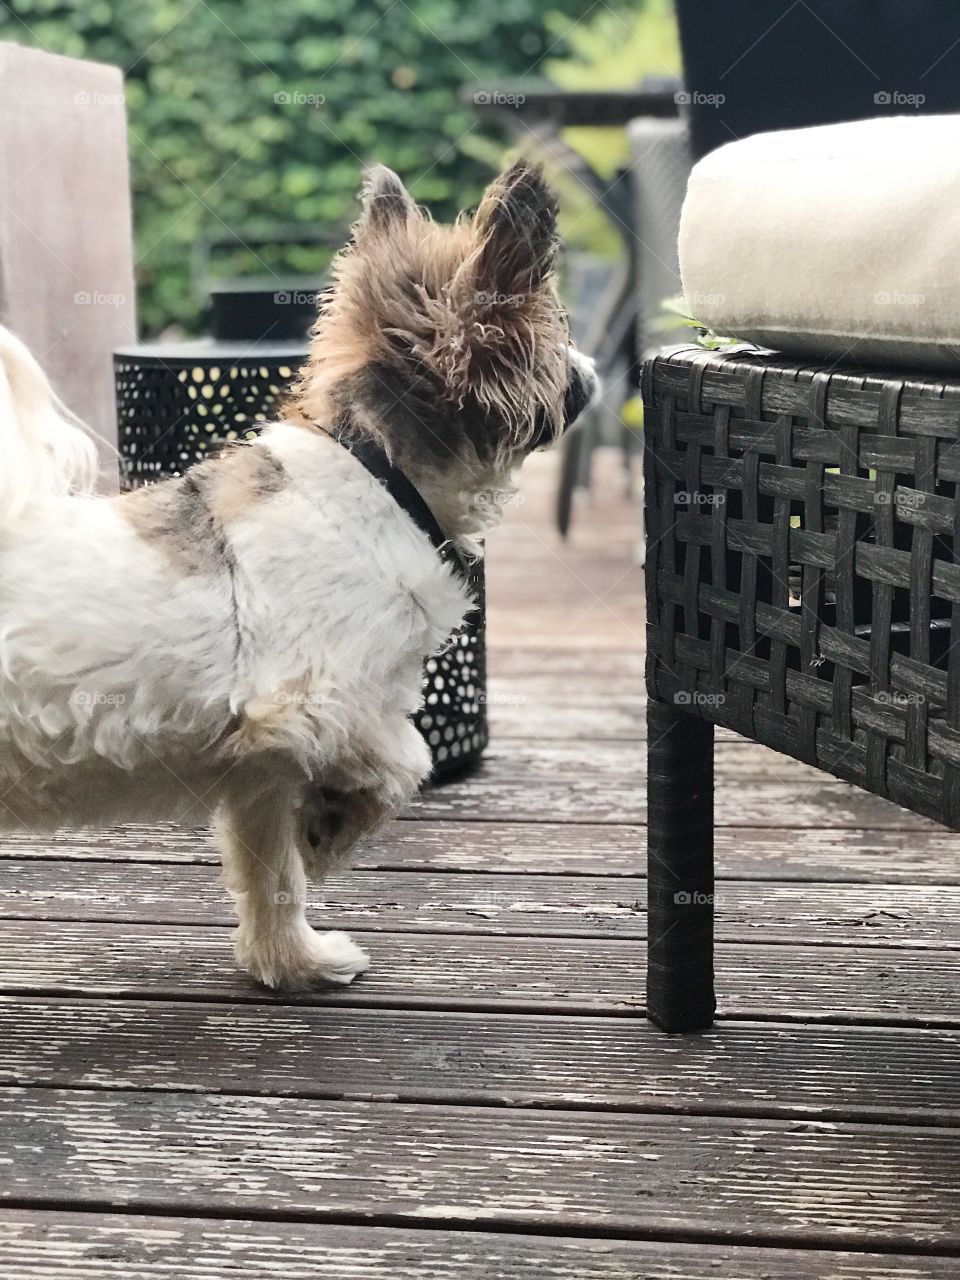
[489, 1100]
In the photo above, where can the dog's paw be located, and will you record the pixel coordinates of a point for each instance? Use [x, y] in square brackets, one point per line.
[292, 959]
[338, 958]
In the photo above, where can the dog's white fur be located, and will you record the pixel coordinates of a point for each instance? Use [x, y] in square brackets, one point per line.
[43, 449]
[259, 671]
[129, 690]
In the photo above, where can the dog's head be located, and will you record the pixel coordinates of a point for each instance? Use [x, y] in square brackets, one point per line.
[449, 342]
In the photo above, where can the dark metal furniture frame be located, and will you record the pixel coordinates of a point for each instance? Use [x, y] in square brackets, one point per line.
[803, 589]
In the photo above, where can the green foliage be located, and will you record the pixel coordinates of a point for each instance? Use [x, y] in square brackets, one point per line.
[615, 48]
[673, 314]
[245, 113]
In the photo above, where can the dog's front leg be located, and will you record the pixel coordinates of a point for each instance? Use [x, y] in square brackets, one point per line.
[262, 843]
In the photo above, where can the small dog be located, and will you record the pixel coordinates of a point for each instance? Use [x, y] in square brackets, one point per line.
[245, 643]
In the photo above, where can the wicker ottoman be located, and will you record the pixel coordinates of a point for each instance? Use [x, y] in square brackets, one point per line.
[803, 589]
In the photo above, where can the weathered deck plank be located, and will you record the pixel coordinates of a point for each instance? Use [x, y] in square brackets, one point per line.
[37, 1245]
[528, 780]
[565, 708]
[845, 856]
[619, 670]
[872, 915]
[598, 781]
[771, 806]
[886, 1074]
[447, 971]
[874, 1187]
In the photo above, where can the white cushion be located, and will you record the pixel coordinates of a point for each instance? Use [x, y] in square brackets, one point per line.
[840, 242]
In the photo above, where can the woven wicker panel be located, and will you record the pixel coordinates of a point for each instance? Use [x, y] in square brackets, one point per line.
[802, 586]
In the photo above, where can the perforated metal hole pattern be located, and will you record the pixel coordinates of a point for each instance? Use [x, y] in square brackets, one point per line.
[171, 413]
[174, 411]
[454, 715]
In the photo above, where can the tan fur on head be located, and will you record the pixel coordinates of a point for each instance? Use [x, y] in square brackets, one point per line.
[472, 308]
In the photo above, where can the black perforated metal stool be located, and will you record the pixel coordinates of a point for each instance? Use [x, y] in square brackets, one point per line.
[803, 589]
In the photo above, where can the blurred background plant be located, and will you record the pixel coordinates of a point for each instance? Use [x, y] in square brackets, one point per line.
[245, 115]
[614, 49]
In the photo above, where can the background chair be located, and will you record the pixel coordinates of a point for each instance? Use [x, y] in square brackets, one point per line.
[809, 62]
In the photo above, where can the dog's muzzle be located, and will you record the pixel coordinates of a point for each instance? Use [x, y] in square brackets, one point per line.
[583, 392]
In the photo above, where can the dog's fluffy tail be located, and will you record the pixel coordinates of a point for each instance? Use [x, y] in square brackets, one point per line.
[44, 450]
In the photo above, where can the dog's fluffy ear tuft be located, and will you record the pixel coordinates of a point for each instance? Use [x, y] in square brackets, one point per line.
[517, 225]
[467, 314]
[385, 200]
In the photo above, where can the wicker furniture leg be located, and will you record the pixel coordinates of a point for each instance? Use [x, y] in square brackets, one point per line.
[679, 869]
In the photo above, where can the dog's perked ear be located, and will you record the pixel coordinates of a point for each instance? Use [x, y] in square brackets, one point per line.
[467, 316]
[516, 224]
[385, 201]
